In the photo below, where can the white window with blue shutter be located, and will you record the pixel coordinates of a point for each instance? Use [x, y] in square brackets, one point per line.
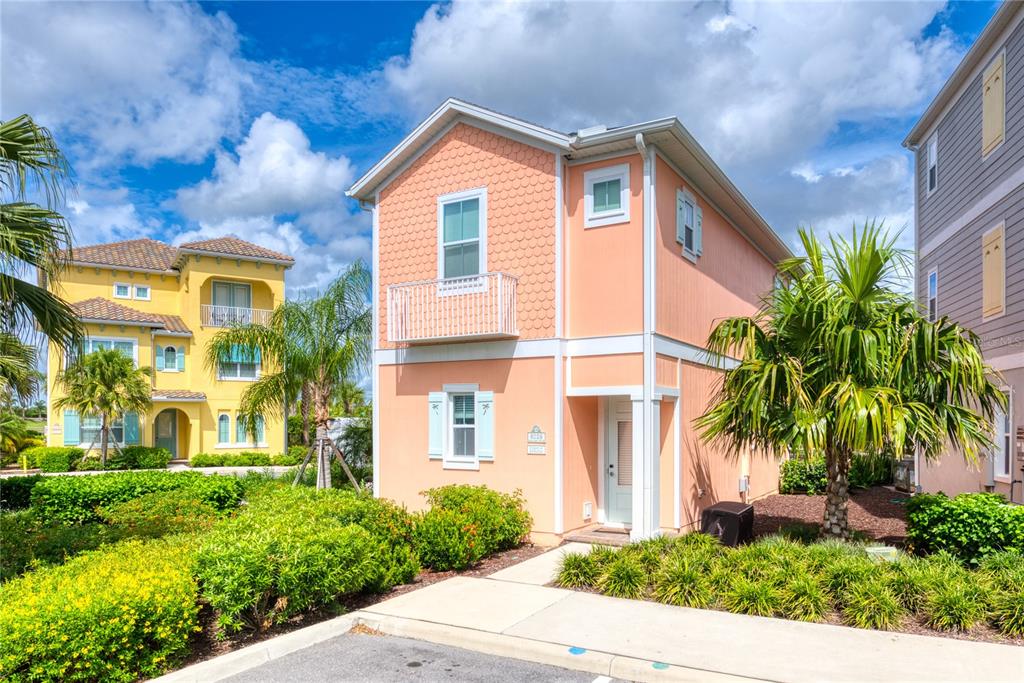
[689, 225]
[461, 426]
[72, 433]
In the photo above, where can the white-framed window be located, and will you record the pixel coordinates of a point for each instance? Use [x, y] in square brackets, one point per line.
[91, 429]
[461, 426]
[170, 358]
[933, 163]
[231, 294]
[606, 196]
[241, 433]
[122, 290]
[933, 295]
[129, 347]
[223, 429]
[689, 225]
[142, 292]
[1003, 451]
[241, 365]
[462, 234]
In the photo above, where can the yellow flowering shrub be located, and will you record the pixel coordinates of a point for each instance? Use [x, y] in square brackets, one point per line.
[119, 613]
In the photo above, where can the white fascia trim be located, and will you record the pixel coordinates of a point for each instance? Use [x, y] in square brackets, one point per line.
[997, 194]
[690, 353]
[1010, 361]
[665, 393]
[634, 391]
[127, 269]
[507, 124]
[185, 251]
[436, 353]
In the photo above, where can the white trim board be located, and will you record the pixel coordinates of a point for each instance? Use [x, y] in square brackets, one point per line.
[1013, 182]
[1010, 361]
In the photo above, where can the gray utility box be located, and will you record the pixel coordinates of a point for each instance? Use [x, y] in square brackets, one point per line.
[903, 475]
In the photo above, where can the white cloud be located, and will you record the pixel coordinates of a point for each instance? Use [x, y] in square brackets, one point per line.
[762, 85]
[126, 80]
[98, 216]
[274, 171]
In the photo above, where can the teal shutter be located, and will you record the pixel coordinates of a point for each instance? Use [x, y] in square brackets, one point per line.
[436, 408]
[72, 433]
[159, 357]
[698, 231]
[131, 429]
[181, 358]
[259, 430]
[240, 435]
[484, 418]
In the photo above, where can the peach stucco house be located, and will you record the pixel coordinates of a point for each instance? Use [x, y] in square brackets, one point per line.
[541, 303]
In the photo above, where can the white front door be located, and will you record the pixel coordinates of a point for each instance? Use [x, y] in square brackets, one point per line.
[619, 463]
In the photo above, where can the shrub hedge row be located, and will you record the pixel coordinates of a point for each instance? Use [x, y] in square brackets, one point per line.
[970, 526]
[16, 492]
[71, 500]
[245, 459]
[70, 458]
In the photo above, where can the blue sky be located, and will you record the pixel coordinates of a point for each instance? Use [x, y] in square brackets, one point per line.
[252, 118]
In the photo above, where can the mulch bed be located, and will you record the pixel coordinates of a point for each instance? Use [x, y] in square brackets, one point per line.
[873, 512]
[207, 645]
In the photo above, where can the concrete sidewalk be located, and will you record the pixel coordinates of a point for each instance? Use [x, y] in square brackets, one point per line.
[513, 614]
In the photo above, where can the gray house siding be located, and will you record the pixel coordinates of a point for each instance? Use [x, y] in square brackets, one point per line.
[958, 261]
[963, 175]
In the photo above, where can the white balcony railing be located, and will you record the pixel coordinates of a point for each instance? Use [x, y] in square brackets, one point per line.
[226, 316]
[479, 306]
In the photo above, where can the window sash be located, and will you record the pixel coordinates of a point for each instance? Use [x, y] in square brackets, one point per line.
[607, 195]
[125, 294]
[223, 426]
[460, 234]
[232, 295]
[688, 226]
[142, 292]
[89, 430]
[170, 358]
[237, 370]
[1004, 439]
[462, 419]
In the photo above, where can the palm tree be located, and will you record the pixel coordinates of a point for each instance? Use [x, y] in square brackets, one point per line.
[839, 362]
[13, 433]
[348, 398]
[105, 383]
[18, 375]
[314, 344]
[33, 236]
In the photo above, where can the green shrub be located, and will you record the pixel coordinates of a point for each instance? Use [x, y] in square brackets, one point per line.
[871, 470]
[803, 475]
[752, 596]
[147, 457]
[602, 555]
[241, 459]
[804, 599]
[53, 458]
[623, 577]
[577, 570]
[845, 572]
[501, 519]
[161, 512]
[870, 603]
[1008, 612]
[206, 460]
[271, 562]
[16, 492]
[911, 579]
[26, 542]
[293, 457]
[121, 613]
[683, 581]
[955, 605]
[447, 539]
[73, 500]
[1004, 569]
[970, 526]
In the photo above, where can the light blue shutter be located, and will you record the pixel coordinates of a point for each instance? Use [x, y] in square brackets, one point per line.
[159, 357]
[181, 358]
[72, 434]
[240, 432]
[698, 231]
[259, 430]
[484, 418]
[435, 407]
[680, 219]
[131, 429]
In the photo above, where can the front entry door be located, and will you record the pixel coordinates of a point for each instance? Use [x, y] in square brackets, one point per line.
[619, 463]
[166, 430]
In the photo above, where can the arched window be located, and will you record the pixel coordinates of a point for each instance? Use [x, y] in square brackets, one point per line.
[170, 358]
[223, 428]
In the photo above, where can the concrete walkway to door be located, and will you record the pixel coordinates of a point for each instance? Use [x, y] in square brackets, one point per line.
[512, 613]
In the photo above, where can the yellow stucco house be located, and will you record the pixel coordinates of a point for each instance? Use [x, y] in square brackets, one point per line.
[161, 304]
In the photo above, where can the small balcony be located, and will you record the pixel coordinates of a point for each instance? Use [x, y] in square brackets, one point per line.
[226, 316]
[475, 307]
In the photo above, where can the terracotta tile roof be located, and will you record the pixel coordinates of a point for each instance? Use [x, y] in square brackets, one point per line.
[232, 246]
[177, 395]
[172, 323]
[99, 308]
[142, 253]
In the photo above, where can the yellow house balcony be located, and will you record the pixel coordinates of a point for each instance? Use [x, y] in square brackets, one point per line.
[226, 316]
[475, 307]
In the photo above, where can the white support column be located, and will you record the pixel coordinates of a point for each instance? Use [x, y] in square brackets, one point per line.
[375, 368]
[637, 530]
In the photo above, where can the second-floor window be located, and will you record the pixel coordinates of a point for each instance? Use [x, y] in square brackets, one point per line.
[689, 224]
[463, 234]
[241, 364]
[606, 196]
[1003, 438]
[125, 346]
[933, 296]
[933, 163]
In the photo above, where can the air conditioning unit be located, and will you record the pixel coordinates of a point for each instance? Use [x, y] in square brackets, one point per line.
[903, 476]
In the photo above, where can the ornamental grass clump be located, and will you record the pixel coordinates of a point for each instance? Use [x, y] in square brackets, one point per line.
[870, 603]
[804, 598]
[577, 570]
[957, 605]
[1008, 612]
[683, 581]
[758, 597]
[623, 577]
[121, 613]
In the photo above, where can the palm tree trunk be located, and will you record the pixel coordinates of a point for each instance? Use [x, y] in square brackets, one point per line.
[306, 408]
[837, 495]
[324, 455]
[103, 443]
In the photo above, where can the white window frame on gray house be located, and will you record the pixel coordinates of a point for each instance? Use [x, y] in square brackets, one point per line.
[1002, 454]
[933, 295]
[932, 161]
